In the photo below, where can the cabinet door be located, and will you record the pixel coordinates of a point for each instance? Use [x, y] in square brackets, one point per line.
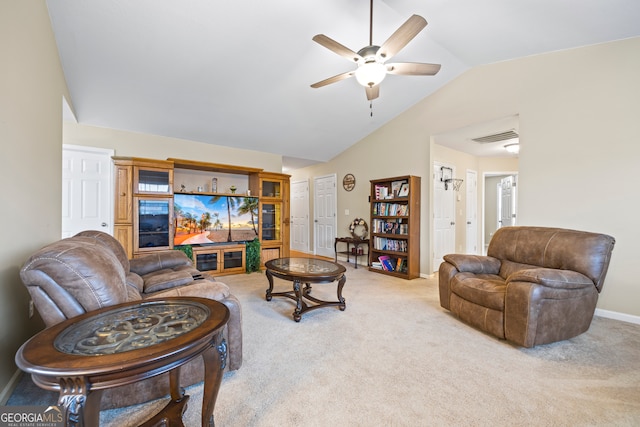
[233, 260]
[269, 253]
[271, 188]
[150, 180]
[122, 233]
[123, 194]
[208, 260]
[271, 221]
[152, 228]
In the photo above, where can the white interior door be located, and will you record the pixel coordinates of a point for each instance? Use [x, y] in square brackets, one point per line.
[444, 233]
[300, 216]
[86, 190]
[471, 188]
[507, 202]
[324, 191]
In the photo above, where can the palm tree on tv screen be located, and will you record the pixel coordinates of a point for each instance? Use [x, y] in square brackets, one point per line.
[217, 225]
[205, 221]
[250, 206]
[232, 202]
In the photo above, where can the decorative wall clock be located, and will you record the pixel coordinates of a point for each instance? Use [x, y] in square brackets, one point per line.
[349, 182]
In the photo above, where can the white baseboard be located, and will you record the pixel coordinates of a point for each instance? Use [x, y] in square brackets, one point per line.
[11, 385]
[618, 316]
[362, 260]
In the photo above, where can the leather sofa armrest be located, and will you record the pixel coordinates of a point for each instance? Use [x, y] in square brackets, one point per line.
[477, 264]
[159, 261]
[552, 278]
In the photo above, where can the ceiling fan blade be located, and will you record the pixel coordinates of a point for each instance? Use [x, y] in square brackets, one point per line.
[336, 47]
[372, 92]
[413, 69]
[401, 37]
[333, 79]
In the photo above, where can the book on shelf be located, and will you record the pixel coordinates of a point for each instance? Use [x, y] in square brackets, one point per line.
[390, 209]
[386, 261]
[388, 244]
[390, 226]
[382, 192]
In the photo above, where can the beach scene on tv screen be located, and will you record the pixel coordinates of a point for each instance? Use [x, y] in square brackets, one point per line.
[204, 219]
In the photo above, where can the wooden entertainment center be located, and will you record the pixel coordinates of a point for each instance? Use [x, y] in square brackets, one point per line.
[144, 219]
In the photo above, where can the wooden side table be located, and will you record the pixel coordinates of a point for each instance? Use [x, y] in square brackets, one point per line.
[356, 244]
[125, 343]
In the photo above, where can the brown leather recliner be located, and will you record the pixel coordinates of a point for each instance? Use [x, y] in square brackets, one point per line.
[536, 285]
[91, 270]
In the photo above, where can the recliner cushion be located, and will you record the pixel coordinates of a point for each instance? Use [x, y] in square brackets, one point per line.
[167, 278]
[486, 290]
[199, 288]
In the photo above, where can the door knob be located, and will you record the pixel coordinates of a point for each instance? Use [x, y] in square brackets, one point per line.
[104, 224]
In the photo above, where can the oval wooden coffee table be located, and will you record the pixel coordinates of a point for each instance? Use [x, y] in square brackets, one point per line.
[305, 271]
[125, 343]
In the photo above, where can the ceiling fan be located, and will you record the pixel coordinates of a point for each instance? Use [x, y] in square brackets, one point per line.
[371, 60]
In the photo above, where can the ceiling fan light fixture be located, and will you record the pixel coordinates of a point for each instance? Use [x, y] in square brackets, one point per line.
[371, 73]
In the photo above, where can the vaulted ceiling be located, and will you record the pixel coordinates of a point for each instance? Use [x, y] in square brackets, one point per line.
[238, 73]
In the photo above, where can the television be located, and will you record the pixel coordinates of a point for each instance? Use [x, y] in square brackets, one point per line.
[201, 219]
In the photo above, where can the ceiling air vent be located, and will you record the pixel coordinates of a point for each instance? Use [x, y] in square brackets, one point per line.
[502, 136]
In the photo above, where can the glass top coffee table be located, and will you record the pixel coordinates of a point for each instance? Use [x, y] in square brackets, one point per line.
[304, 271]
[125, 343]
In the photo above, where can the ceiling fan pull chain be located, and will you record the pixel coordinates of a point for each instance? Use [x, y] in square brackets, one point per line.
[371, 108]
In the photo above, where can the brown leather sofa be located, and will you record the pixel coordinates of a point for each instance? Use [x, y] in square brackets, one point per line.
[536, 285]
[91, 270]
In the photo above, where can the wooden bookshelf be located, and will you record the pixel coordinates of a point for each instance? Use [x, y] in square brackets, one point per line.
[395, 226]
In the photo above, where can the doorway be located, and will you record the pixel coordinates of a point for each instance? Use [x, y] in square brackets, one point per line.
[500, 204]
[324, 202]
[300, 216]
[86, 190]
[444, 225]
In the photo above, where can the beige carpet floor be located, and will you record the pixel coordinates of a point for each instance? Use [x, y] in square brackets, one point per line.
[395, 358]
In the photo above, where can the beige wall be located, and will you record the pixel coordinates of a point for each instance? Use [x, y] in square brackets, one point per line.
[578, 113]
[133, 144]
[32, 87]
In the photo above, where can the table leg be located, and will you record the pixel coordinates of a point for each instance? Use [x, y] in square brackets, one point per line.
[81, 406]
[172, 413]
[356, 246]
[215, 360]
[341, 283]
[270, 290]
[297, 314]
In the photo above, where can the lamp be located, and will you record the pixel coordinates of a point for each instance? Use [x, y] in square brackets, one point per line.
[513, 148]
[371, 73]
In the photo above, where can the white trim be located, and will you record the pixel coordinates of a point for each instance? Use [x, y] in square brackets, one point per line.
[618, 316]
[10, 387]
